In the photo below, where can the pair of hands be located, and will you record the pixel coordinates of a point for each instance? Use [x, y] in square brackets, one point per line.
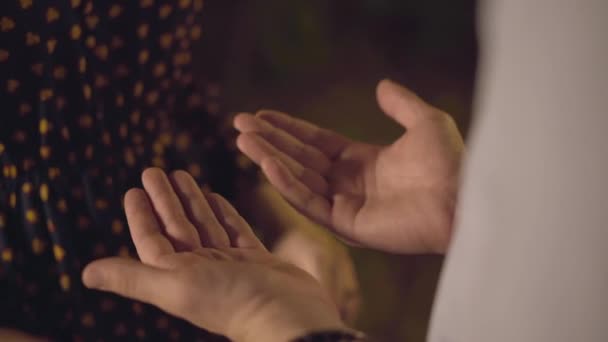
[200, 260]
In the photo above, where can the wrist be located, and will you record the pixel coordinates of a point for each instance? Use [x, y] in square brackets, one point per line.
[280, 323]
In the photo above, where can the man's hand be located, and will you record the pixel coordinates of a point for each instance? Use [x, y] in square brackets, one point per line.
[397, 198]
[201, 261]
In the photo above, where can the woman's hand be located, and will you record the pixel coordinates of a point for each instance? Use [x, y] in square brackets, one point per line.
[201, 261]
[397, 198]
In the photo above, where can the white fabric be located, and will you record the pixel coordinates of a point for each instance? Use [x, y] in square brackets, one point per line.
[530, 257]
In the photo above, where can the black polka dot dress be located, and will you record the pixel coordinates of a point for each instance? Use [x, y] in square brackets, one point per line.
[91, 93]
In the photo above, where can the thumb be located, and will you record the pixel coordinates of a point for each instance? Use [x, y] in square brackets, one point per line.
[132, 279]
[400, 104]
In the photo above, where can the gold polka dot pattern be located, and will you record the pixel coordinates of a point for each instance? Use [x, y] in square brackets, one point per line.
[92, 92]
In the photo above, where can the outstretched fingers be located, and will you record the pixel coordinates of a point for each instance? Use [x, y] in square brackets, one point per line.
[308, 202]
[198, 211]
[145, 229]
[326, 141]
[170, 211]
[240, 233]
[307, 155]
[258, 149]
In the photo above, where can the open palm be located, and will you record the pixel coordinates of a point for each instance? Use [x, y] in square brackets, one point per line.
[398, 198]
[202, 262]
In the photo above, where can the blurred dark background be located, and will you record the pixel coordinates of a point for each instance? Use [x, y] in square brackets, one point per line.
[321, 60]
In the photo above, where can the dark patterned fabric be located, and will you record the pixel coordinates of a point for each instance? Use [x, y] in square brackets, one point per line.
[333, 336]
[90, 94]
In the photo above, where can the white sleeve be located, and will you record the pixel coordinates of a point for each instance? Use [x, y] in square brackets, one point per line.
[529, 262]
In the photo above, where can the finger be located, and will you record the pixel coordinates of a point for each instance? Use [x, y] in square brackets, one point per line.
[305, 154]
[132, 279]
[145, 228]
[211, 232]
[309, 203]
[324, 140]
[257, 148]
[401, 104]
[240, 233]
[178, 228]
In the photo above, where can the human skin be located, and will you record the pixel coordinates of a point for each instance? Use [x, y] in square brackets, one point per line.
[201, 261]
[398, 198]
